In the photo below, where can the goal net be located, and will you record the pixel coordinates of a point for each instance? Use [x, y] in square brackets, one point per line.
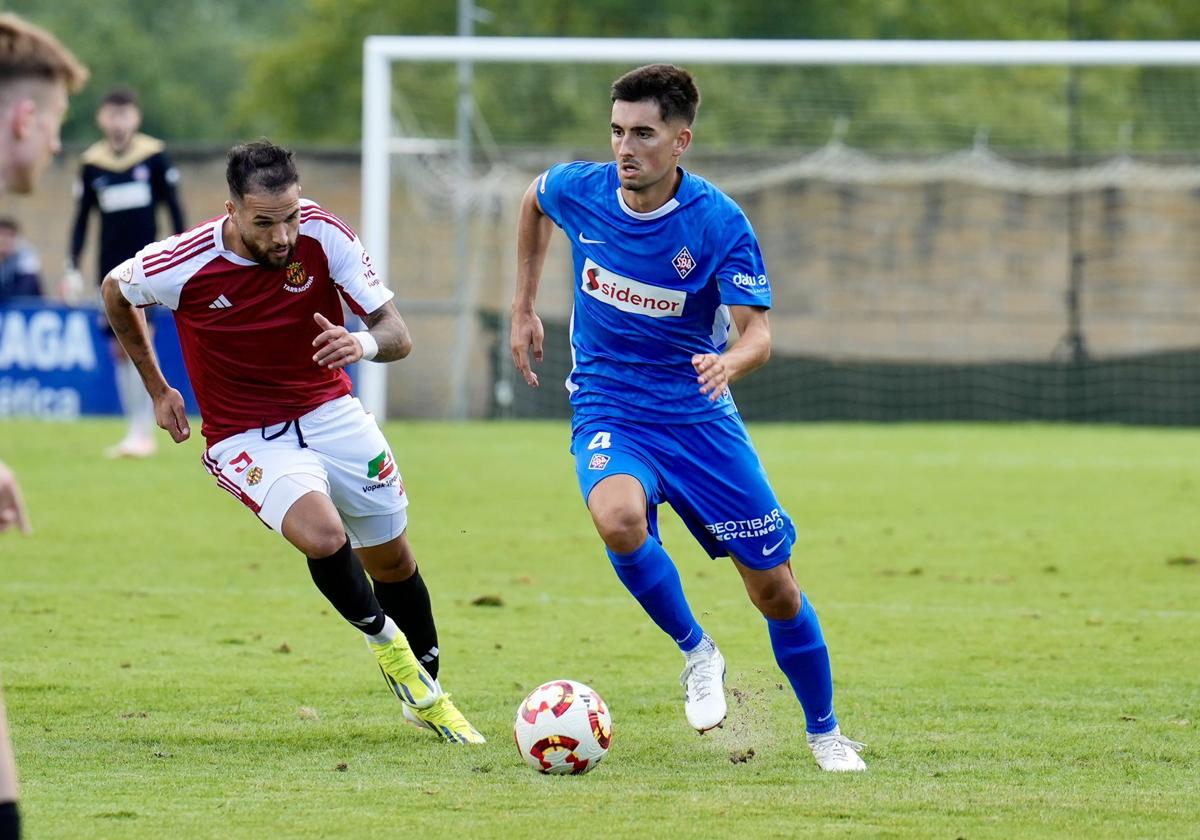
[952, 230]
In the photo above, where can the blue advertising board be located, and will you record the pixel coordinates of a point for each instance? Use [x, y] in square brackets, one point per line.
[56, 361]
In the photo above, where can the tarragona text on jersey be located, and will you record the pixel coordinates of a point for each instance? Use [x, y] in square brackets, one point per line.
[651, 290]
[246, 330]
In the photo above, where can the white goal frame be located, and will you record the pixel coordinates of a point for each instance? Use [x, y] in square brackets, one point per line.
[381, 51]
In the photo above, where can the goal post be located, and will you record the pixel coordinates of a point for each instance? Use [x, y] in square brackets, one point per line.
[380, 144]
[390, 48]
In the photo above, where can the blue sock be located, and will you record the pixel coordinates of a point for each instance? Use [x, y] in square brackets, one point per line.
[801, 653]
[653, 580]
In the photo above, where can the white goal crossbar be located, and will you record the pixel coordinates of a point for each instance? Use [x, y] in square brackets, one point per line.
[379, 52]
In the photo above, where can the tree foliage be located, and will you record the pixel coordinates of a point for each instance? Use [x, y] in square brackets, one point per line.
[186, 60]
[884, 108]
[224, 70]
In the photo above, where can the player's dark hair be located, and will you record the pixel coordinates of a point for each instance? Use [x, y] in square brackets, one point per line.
[10, 224]
[120, 96]
[671, 87]
[260, 166]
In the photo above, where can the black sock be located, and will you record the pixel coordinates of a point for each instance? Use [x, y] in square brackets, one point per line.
[341, 579]
[10, 821]
[406, 602]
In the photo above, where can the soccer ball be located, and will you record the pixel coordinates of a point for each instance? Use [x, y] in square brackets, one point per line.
[563, 727]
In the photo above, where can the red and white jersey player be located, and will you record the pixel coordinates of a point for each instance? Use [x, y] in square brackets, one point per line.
[246, 329]
[257, 296]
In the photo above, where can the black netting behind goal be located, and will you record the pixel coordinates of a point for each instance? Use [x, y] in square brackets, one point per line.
[1144, 389]
[955, 243]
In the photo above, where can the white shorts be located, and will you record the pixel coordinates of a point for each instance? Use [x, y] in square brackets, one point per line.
[335, 449]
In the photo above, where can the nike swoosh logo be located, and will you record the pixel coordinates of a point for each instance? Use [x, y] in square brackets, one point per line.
[768, 551]
[587, 241]
[827, 717]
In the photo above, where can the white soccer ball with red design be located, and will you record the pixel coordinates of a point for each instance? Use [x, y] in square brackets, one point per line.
[563, 727]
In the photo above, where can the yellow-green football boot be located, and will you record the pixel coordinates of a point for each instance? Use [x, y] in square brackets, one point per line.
[446, 721]
[404, 674]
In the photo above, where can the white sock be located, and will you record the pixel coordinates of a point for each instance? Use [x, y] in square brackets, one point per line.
[142, 423]
[705, 648]
[132, 396]
[385, 636]
[837, 730]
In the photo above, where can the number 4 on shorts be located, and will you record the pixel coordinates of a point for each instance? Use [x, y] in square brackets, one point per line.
[602, 440]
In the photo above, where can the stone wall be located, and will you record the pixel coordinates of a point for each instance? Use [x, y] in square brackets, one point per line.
[940, 271]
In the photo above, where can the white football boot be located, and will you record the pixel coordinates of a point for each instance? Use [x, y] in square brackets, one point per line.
[703, 681]
[835, 752]
[132, 446]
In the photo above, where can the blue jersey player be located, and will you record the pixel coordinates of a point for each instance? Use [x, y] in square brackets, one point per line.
[662, 263]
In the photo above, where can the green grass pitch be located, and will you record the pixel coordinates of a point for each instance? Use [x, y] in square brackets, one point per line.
[1013, 614]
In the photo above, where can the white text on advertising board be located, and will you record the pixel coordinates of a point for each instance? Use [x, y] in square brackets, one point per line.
[46, 340]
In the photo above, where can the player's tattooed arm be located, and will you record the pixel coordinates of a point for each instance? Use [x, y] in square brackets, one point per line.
[129, 325]
[748, 353]
[386, 339]
[387, 327]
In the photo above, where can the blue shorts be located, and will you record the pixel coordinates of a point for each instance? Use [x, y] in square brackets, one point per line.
[708, 472]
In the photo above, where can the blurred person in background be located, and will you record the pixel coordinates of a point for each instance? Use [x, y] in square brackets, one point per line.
[10, 820]
[12, 505]
[20, 268]
[36, 75]
[125, 176]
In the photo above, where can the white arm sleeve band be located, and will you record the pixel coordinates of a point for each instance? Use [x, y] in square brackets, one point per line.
[370, 346]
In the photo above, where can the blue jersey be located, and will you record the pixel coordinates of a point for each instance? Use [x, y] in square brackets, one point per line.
[651, 290]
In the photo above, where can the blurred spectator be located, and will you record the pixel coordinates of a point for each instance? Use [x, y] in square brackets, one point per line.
[20, 268]
[36, 74]
[125, 176]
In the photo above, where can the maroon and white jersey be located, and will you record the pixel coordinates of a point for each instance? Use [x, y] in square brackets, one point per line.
[247, 330]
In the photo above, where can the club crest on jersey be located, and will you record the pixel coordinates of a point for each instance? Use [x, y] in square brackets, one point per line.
[683, 262]
[254, 476]
[598, 462]
[630, 295]
[295, 280]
